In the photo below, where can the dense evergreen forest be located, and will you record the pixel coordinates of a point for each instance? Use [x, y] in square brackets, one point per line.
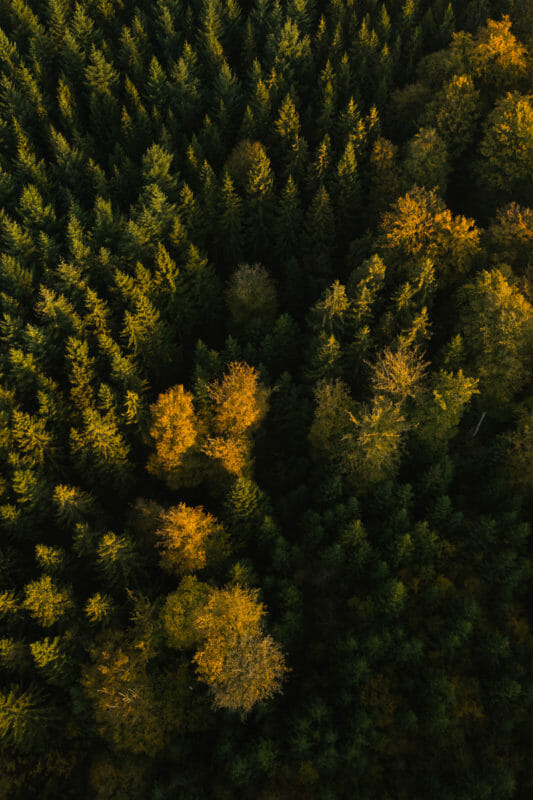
[266, 407]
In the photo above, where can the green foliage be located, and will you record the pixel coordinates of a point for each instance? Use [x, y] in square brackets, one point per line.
[507, 147]
[500, 339]
[180, 611]
[426, 160]
[266, 320]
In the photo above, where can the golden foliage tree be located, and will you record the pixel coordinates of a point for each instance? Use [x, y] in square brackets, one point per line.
[240, 403]
[128, 711]
[241, 665]
[46, 602]
[419, 225]
[175, 432]
[372, 449]
[189, 538]
[240, 398]
[398, 373]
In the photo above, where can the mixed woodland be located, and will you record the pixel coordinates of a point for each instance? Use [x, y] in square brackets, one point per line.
[266, 407]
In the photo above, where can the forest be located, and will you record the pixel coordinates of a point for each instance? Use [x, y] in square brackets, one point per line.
[266, 399]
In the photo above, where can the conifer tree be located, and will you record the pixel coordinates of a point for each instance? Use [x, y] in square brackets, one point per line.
[499, 342]
[24, 718]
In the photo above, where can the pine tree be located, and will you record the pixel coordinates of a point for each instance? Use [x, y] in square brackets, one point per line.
[230, 222]
[24, 718]
[289, 221]
[100, 448]
[45, 602]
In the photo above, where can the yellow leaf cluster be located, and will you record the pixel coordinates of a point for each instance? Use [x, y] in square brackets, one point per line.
[184, 536]
[240, 399]
[183, 437]
[240, 664]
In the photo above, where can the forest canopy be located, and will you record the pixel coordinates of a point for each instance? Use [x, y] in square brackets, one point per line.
[266, 407]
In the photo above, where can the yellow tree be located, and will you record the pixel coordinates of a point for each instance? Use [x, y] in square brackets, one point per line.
[398, 373]
[241, 665]
[498, 58]
[419, 225]
[240, 403]
[188, 538]
[175, 433]
[46, 602]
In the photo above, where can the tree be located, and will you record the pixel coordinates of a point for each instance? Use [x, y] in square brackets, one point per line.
[419, 224]
[320, 230]
[240, 399]
[498, 58]
[241, 665]
[289, 221]
[439, 412]
[497, 326]
[24, 719]
[372, 448]
[46, 602]
[507, 147]
[116, 558]
[511, 236]
[231, 220]
[384, 175]
[457, 109]
[241, 161]
[189, 539]
[288, 122]
[398, 374]
[128, 711]
[251, 295]
[348, 189]
[426, 160]
[180, 611]
[51, 658]
[175, 433]
[99, 608]
[331, 422]
[520, 453]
